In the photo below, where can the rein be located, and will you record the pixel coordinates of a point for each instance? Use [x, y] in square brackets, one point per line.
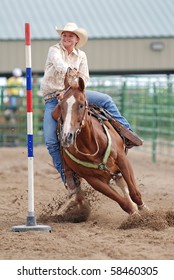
[64, 91]
[75, 144]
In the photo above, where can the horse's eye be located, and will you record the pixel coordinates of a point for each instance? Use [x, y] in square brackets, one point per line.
[81, 106]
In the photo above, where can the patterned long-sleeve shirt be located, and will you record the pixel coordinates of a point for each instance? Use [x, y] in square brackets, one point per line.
[57, 64]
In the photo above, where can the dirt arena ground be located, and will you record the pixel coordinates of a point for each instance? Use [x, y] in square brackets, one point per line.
[108, 233]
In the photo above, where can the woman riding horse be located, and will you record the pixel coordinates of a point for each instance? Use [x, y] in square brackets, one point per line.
[60, 57]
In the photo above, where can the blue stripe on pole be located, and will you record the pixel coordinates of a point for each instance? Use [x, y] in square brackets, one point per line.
[29, 78]
[30, 145]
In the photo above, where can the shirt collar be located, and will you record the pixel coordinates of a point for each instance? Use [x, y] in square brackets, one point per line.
[75, 51]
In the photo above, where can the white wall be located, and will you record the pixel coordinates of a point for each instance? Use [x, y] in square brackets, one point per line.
[103, 55]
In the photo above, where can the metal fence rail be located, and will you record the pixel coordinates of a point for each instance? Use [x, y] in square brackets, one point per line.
[13, 125]
[147, 105]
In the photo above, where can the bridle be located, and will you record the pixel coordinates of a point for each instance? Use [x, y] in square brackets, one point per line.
[82, 124]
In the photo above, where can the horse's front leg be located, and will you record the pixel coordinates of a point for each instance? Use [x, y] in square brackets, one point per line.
[102, 186]
[72, 180]
[77, 198]
[128, 175]
[120, 182]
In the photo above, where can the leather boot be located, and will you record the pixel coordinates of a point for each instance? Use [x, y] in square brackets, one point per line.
[130, 138]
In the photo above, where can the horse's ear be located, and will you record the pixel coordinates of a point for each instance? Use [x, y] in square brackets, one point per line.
[81, 84]
[66, 81]
[56, 112]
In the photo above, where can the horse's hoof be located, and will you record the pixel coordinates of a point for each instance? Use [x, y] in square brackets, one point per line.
[80, 197]
[143, 207]
[135, 214]
[74, 191]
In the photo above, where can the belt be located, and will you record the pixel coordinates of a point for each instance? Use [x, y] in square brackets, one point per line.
[50, 95]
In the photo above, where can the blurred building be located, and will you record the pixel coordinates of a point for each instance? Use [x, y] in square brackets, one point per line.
[125, 36]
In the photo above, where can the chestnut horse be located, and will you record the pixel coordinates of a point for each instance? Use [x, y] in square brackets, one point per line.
[94, 150]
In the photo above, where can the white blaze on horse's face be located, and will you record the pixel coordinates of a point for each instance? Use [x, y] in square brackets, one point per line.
[67, 134]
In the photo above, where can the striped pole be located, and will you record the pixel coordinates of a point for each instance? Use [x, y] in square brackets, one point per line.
[31, 220]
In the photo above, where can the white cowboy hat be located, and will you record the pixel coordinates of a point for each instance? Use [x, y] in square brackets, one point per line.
[80, 32]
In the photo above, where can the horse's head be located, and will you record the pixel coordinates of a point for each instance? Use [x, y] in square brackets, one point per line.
[73, 112]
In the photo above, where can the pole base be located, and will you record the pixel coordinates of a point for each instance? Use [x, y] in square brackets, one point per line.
[23, 228]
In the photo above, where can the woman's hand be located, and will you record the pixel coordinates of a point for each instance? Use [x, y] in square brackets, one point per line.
[72, 76]
[60, 94]
[72, 72]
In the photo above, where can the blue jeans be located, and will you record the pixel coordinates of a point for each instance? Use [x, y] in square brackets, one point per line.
[100, 99]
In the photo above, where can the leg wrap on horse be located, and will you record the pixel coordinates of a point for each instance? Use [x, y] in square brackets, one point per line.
[72, 181]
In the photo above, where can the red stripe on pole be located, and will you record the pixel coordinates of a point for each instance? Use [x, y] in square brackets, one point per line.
[29, 101]
[27, 34]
